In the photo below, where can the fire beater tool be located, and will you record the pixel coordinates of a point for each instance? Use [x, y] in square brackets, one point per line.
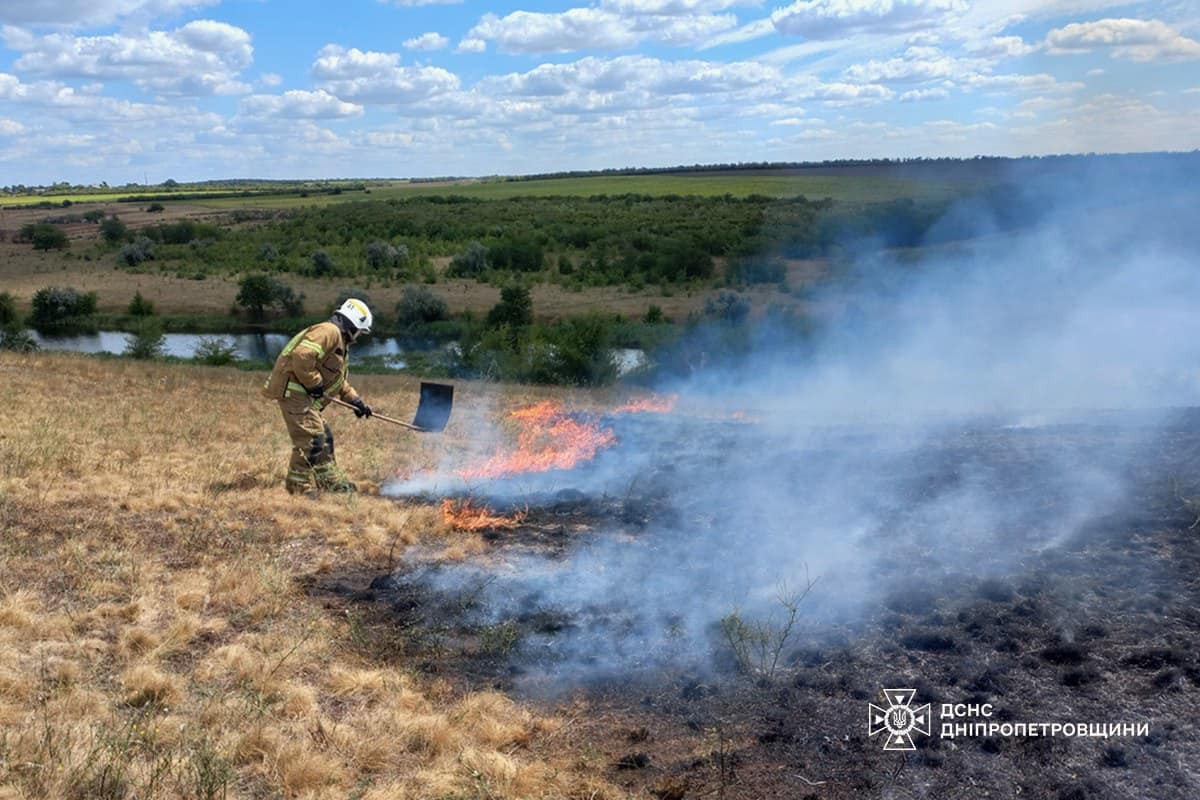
[433, 409]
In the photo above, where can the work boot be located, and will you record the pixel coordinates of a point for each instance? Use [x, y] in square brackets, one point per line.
[298, 482]
[331, 478]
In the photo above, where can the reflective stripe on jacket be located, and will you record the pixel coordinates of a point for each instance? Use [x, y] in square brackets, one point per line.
[315, 356]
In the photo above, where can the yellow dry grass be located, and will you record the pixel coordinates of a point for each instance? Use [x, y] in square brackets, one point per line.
[156, 636]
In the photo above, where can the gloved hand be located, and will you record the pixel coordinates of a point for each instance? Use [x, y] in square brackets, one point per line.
[361, 409]
[316, 392]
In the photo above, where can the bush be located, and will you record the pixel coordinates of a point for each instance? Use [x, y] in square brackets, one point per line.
[215, 353]
[147, 341]
[14, 339]
[114, 230]
[515, 309]
[655, 315]
[383, 255]
[267, 252]
[140, 307]
[93, 215]
[322, 263]
[419, 306]
[139, 250]
[728, 307]
[470, 262]
[156, 208]
[56, 309]
[258, 293]
[8, 310]
[45, 236]
[181, 232]
[580, 353]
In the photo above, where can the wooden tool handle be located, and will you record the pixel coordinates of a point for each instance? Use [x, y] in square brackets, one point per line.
[379, 416]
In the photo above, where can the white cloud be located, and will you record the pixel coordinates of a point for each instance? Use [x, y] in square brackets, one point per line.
[372, 77]
[828, 19]
[270, 79]
[10, 127]
[427, 41]
[85, 13]
[471, 45]
[390, 139]
[998, 47]
[748, 32]
[616, 26]
[915, 65]
[674, 7]
[201, 58]
[917, 95]
[298, 104]
[1133, 39]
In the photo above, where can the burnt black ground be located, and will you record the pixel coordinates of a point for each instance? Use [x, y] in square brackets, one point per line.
[1097, 624]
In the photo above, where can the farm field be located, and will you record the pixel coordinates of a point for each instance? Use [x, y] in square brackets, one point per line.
[856, 188]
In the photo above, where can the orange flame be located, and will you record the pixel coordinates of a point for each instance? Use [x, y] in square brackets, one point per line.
[464, 515]
[548, 439]
[649, 405]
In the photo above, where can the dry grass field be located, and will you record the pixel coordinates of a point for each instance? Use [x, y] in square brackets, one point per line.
[156, 636]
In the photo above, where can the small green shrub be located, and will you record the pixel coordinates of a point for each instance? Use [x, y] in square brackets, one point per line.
[147, 341]
[139, 306]
[136, 252]
[214, 352]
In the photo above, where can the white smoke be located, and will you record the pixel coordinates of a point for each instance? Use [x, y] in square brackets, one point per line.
[950, 420]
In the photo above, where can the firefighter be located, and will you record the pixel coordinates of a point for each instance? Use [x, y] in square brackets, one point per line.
[310, 371]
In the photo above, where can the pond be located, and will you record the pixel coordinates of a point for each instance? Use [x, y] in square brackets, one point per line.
[266, 346]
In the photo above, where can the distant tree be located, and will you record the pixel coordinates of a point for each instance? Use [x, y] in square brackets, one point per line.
[45, 236]
[114, 230]
[56, 309]
[139, 306]
[257, 293]
[515, 309]
[170, 183]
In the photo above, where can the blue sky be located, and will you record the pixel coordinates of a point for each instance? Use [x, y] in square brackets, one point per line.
[125, 90]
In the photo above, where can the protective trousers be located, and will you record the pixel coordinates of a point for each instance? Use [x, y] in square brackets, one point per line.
[312, 458]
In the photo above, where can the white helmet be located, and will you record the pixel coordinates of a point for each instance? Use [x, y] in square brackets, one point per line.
[359, 316]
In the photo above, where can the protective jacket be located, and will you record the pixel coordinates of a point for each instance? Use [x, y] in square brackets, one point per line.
[316, 356]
